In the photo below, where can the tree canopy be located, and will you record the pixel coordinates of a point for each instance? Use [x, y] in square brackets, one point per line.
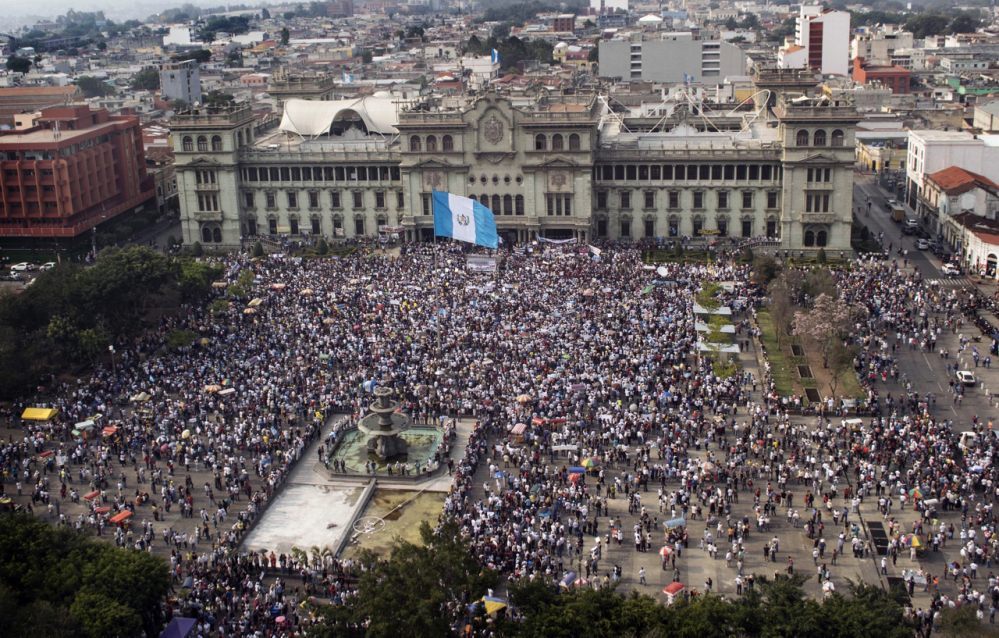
[94, 87]
[68, 316]
[148, 79]
[57, 582]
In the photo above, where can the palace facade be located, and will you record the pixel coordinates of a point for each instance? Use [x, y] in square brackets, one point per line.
[563, 167]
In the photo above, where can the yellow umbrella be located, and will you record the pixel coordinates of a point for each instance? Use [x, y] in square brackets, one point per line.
[493, 604]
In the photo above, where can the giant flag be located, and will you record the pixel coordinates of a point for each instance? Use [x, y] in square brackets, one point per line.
[464, 219]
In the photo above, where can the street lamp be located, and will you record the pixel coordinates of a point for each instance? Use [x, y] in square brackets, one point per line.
[114, 369]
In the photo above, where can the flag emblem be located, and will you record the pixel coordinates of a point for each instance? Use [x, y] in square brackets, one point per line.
[462, 220]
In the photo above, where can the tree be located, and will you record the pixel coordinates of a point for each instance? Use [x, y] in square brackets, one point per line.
[827, 323]
[765, 268]
[322, 247]
[148, 79]
[94, 87]
[418, 587]
[285, 36]
[924, 25]
[18, 64]
[840, 364]
[707, 297]
[258, 249]
[55, 581]
[964, 23]
[265, 14]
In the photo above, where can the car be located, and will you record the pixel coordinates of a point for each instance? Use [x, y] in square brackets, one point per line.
[49, 265]
[21, 267]
[891, 202]
[909, 226]
[966, 377]
[950, 270]
[922, 244]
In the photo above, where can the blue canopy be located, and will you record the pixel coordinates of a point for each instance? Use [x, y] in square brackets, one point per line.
[675, 522]
[575, 469]
[179, 627]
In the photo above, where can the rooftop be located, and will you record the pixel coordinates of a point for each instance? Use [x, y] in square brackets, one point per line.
[51, 136]
[955, 180]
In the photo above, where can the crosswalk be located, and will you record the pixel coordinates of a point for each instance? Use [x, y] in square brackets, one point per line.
[950, 282]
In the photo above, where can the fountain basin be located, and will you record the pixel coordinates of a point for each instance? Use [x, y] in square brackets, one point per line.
[353, 449]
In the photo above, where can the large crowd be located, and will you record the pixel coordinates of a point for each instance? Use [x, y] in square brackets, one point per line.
[591, 354]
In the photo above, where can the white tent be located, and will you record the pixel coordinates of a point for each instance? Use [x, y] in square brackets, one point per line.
[717, 347]
[310, 118]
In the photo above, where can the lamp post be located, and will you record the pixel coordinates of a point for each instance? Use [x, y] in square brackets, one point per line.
[114, 369]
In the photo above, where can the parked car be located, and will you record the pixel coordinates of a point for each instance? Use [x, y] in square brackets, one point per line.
[922, 244]
[909, 226]
[966, 377]
[951, 270]
[49, 265]
[21, 267]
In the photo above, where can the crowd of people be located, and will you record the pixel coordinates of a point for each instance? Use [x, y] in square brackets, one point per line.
[593, 355]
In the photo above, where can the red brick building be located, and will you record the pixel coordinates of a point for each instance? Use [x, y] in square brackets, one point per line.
[75, 169]
[891, 77]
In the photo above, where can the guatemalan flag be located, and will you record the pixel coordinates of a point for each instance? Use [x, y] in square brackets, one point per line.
[494, 56]
[464, 219]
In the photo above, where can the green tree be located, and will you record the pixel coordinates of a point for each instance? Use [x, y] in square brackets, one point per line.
[101, 616]
[415, 587]
[94, 87]
[148, 79]
[195, 278]
[322, 247]
[180, 339]
[964, 22]
[285, 36]
[18, 64]
[258, 249]
[765, 268]
[265, 14]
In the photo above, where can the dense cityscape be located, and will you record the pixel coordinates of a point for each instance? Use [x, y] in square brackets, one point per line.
[506, 318]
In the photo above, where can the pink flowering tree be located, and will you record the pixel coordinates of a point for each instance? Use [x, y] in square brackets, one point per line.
[826, 325]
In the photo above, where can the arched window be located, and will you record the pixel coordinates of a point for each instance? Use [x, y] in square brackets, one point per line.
[206, 235]
[540, 142]
[473, 198]
[431, 143]
[447, 143]
[574, 142]
[484, 200]
[508, 205]
[821, 238]
[802, 139]
[216, 143]
[217, 235]
[239, 138]
[496, 204]
[414, 143]
[819, 139]
[809, 238]
[557, 142]
[518, 202]
[202, 143]
[188, 143]
[837, 138]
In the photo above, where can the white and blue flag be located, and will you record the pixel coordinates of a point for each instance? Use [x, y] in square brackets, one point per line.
[464, 219]
[495, 56]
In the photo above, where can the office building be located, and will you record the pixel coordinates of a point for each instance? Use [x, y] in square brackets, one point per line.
[181, 81]
[821, 42]
[72, 171]
[670, 57]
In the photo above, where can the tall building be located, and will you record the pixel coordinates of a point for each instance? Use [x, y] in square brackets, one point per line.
[561, 167]
[821, 42]
[181, 81]
[72, 171]
[25, 99]
[670, 57]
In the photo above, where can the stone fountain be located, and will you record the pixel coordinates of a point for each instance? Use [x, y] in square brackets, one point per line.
[383, 425]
